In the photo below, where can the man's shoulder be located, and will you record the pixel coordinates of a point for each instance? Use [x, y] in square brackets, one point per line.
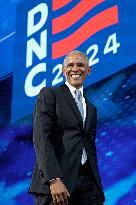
[50, 89]
[90, 104]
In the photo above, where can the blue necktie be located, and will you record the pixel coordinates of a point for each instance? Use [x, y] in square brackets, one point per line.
[78, 99]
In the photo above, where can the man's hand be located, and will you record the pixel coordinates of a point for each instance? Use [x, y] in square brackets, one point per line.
[59, 192]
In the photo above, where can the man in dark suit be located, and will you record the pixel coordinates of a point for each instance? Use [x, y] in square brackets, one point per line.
[66, 170]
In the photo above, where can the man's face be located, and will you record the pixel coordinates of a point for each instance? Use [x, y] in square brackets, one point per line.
[76, 70]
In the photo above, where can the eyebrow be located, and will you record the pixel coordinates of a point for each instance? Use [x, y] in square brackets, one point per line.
[78, 64]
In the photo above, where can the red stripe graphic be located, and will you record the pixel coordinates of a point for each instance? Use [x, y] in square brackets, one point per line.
[68, 19]
[102, 20]
[57, 4]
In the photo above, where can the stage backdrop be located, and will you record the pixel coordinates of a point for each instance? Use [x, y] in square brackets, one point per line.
[35, 36]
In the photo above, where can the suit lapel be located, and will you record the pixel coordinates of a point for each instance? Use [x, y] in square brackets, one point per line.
[72, 103]
[88, 115]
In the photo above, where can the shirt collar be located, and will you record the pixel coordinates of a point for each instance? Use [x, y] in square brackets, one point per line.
[72, 88]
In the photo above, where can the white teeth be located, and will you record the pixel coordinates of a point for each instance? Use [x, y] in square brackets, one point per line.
[75, 76]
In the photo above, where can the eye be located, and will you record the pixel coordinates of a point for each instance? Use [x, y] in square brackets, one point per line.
[70, 65]
[80, 65]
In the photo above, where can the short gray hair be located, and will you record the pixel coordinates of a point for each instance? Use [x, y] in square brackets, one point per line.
[76, 52]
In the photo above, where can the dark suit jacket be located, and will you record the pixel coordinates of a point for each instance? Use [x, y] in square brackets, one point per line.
[59, 138]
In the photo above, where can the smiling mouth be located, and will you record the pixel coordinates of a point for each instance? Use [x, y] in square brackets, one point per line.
[76, 76]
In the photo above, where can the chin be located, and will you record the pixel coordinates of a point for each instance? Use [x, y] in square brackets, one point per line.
[77, 85]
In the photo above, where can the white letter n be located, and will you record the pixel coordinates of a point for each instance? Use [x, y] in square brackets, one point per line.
[39, 50]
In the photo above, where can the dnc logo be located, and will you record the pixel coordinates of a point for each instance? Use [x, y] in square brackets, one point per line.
[62, 40]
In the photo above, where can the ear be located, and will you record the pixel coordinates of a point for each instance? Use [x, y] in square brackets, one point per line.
[63, 70]
[89, 69]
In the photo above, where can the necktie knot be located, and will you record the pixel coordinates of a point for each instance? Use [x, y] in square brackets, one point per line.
[78, 99]
[78, 95]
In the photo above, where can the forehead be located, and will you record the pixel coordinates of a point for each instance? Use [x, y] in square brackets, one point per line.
[75, 58]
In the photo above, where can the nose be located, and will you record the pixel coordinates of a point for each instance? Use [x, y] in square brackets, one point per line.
[75, 67]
